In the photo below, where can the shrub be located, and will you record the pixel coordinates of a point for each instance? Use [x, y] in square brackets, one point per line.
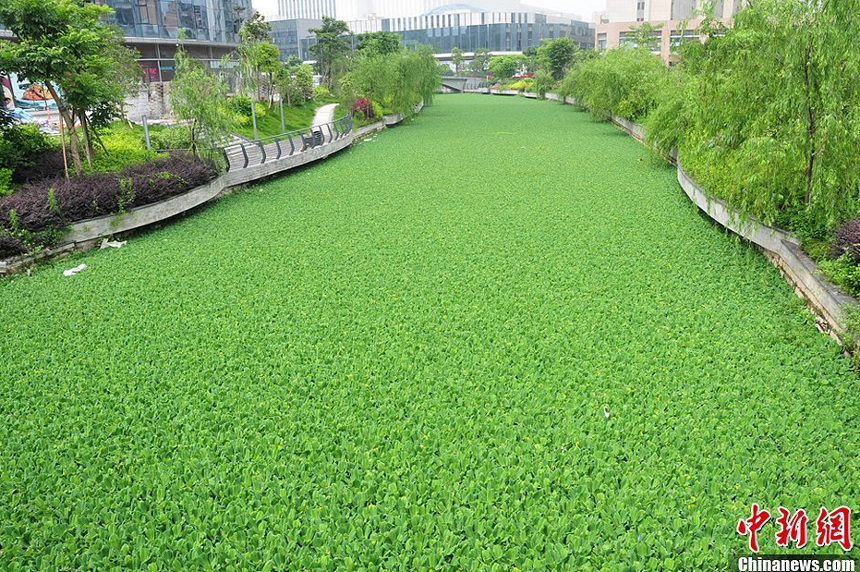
[240, 104]
[364, 107]
[521, 84]
[322, 92]
[46, 165]
[10, 247]
[39, 212]
[624, 82]
[171, 138]
[6, 182]
[19, 145]
[846, 241]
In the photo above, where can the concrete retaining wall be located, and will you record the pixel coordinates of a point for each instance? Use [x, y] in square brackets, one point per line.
[392, 120]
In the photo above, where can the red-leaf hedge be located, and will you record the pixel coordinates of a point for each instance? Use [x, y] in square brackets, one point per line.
[43, 209]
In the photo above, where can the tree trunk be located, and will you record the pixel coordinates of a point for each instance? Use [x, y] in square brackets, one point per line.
[811, 127]
[88, 146]
[70, 123]
[63, 143]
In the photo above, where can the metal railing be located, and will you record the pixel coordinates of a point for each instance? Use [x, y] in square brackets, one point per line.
[244, 153]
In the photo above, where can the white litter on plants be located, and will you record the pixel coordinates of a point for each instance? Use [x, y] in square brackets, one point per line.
[112, 244]
[75, 270]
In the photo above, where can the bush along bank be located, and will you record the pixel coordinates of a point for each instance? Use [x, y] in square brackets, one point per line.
[38, 215]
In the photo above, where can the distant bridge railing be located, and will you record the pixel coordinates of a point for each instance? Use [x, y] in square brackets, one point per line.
[242, 154]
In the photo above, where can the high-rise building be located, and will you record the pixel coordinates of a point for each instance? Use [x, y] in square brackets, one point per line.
[288, 36]
[677, 21]
[210, 28]
[447, 28]
[308, 9]
[352, 10]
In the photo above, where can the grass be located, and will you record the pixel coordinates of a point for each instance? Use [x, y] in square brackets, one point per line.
[400, 359]
[295, 117]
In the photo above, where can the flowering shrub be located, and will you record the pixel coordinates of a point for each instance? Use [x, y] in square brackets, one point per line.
[363, 106]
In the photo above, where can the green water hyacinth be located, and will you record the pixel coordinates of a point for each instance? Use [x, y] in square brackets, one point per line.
[399, 359]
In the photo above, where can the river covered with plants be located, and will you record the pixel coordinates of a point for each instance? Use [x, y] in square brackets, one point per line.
[496, 337]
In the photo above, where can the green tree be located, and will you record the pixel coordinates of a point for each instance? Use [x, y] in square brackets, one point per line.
[457, 58]
[530, 59]
[256, 29]
[647, 35]
[66, 46]
[480, 61]
[771, 112]
[295, 84]
[331, 48]
[379, 43]
[197, 97]
[556, 56]
[504, 67]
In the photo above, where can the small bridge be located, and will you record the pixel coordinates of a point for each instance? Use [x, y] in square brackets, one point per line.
[457, 84]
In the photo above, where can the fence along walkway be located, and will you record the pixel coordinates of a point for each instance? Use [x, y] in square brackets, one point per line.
[243, 154]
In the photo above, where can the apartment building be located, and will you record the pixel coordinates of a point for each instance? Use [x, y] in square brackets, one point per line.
[677, 19]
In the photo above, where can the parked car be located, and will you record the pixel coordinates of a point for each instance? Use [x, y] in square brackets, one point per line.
[21, 117]
[32, 104]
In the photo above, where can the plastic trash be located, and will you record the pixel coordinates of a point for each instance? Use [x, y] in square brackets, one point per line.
[605, 412]
[112, 244]
[75, 270]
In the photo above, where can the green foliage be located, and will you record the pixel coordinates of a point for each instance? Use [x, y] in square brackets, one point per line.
[766, 114]
[843, 272]
[543, 82]
[123, 147]
[623, 82]
[66, 46]
[457, 58]
[197, 96]
[382, 368]
[255, 29]
[504, 67]
[170, 138]
[399, 81]
[20, 144]
[667, 124]
[524, 84]
[480, 62]
[647, 36]
[331, 49]
[556, 56]
[380, 43]
[296, 84]
[6, 182]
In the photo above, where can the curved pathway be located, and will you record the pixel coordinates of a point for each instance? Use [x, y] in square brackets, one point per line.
[324, 114]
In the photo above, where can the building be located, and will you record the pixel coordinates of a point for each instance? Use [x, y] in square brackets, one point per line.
[152, 27]
[677, 19]
[288, 36]
[308, 9]
[354, 10]
[452, 27]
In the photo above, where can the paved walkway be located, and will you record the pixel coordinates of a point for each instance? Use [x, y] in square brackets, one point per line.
[324, 114]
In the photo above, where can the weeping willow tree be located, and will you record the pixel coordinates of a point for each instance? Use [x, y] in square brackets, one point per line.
[767, 112]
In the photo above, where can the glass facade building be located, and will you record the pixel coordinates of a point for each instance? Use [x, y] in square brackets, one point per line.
[469, 31]
[210, 28]
[288, 36]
